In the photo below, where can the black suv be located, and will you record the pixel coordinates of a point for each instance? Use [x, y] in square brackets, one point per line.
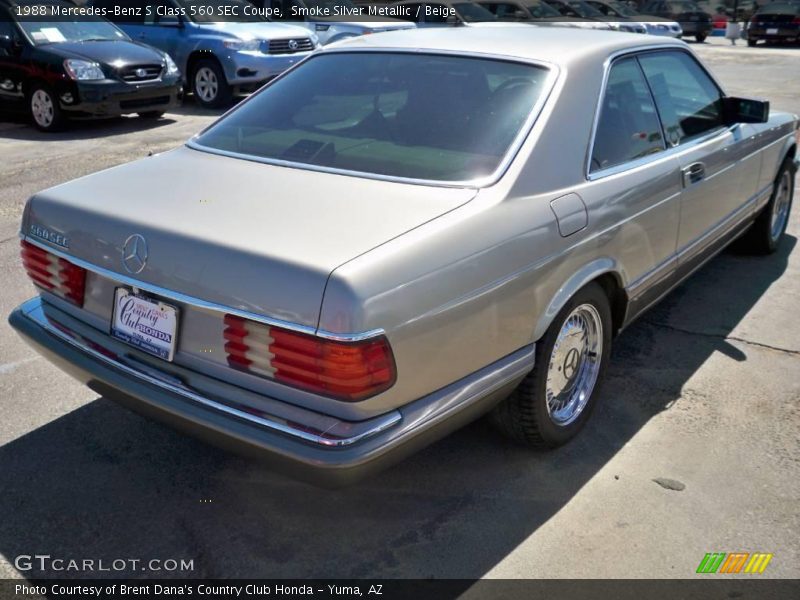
[81, 68]
[693, 20]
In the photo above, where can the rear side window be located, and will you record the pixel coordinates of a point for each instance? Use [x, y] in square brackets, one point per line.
[689, 102]
[410, 115]
[628, 127]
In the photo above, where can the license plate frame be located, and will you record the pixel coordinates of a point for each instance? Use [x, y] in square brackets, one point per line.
[772, 31]
[145, 323]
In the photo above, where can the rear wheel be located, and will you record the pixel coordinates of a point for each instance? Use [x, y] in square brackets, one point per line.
[554, 401]
[765, 235]
[701, 37]
[751, 43]
[44, 108]
[209, 84]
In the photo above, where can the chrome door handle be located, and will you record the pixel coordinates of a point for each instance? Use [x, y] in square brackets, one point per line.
[693, 173]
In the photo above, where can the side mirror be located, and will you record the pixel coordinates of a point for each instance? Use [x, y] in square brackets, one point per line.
[744, 110]
[170, 21]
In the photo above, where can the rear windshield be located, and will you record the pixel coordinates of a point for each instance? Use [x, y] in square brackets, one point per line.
[780, 9]
[43, 32]
[406, 115]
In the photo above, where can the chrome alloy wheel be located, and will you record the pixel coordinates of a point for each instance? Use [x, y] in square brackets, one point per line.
[574, 364]
[780, 206]
[205, 84]
[42, 108]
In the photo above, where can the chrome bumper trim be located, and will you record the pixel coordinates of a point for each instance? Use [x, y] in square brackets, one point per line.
[34, 310]
[199, 303]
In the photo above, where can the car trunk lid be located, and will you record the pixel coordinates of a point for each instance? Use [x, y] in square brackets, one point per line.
[255, 237]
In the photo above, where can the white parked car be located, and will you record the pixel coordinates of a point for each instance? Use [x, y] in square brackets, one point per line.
[654, 25]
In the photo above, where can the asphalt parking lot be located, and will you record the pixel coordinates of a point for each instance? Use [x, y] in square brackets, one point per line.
[703, 394]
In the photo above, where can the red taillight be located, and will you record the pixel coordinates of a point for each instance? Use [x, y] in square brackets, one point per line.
[54, 274]
[796, 21]
[349, 371]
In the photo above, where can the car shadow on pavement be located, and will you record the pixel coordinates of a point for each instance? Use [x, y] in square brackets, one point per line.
[103, 483]
[18, 126]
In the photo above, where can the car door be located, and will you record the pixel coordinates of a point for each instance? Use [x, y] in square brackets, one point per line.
[634, 183]
[163, 30]
[712, 155]
[10, 61]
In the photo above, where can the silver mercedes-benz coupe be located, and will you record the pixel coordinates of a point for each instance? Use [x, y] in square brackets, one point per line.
[402, 233]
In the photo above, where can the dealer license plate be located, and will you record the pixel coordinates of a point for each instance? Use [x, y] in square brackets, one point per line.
[147, 324]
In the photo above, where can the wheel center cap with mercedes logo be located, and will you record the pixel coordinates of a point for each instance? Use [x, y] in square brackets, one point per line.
[571, 363]
[134, 254]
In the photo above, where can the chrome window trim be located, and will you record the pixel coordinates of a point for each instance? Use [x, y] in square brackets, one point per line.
[553, 74]
[33, 310]
[203, 304]
[669, 152]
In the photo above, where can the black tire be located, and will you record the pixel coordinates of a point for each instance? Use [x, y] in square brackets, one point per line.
[223, 94]
[752, 43]
[761, 238]
[701, 37]
[524, 415]
[44, 109]
[151, 114]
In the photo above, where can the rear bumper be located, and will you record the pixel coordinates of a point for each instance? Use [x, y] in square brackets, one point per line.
[777, 33]
[334, 455]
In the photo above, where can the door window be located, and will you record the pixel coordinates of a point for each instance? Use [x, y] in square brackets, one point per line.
[689, 102]
[628, 127]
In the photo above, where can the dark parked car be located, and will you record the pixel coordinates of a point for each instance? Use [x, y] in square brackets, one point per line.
[693, 20]
[775, 22]
[60, 69]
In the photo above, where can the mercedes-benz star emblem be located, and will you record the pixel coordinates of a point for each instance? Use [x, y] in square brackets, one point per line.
[293, 45]
[141, 73]
[134, 254]
[571, 363]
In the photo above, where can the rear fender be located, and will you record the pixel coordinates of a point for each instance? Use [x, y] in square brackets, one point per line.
[572, 285]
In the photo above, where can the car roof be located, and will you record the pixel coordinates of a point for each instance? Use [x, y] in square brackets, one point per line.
[556, 45]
